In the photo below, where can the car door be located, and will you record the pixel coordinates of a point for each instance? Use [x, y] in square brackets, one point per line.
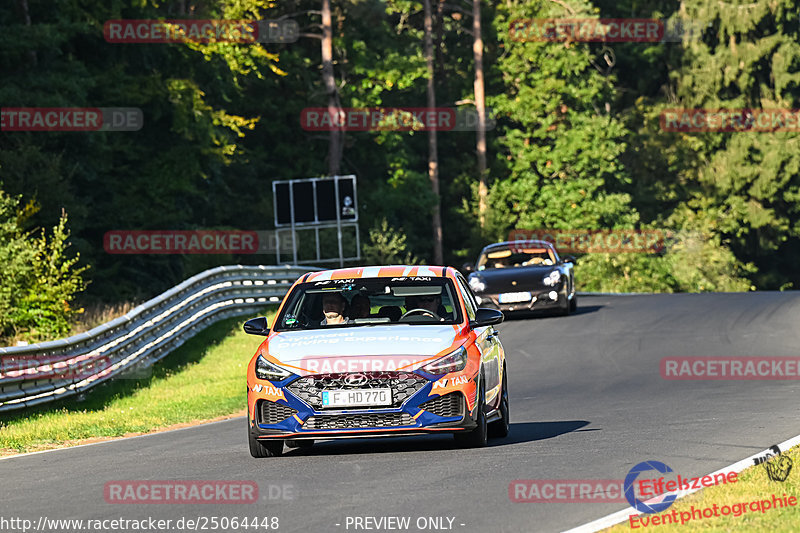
[487, 342]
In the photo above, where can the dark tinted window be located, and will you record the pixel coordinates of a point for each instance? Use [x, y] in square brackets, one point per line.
[406, 300]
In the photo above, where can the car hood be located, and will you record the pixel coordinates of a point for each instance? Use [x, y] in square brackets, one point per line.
[362, 348]
[504, 278]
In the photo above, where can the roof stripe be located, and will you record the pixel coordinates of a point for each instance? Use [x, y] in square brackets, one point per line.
[392, 271]
[371, 272]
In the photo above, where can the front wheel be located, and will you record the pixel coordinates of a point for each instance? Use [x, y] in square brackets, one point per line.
[573, 304]
[477, 437]
[260, 449]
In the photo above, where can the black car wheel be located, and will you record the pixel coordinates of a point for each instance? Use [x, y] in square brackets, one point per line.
[573, 304]
[260, 449]
[477, 437]
[563, 310]
[500, 427]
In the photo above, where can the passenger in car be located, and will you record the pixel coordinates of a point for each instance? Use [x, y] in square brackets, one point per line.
[360, 306]
[392, 312]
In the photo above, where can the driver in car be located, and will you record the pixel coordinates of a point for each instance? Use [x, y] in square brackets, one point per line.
[429, 302]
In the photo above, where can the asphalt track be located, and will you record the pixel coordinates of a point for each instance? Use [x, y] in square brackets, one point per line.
[587, 402]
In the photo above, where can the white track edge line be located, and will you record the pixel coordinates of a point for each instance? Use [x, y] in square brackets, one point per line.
[118, 439]
[619, 293]
[620, 516]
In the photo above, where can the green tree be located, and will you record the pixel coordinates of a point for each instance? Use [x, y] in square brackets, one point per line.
[560, 146]
[744, 186]
[186, 168]
[561, 142]
[387, 246]
[39, 279]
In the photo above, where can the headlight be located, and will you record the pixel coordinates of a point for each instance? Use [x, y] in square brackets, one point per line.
[452, 362]
[552, 279]
[270, 371]
[476, 284]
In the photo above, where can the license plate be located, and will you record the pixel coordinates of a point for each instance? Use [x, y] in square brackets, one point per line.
[356, 397]
[514, 297]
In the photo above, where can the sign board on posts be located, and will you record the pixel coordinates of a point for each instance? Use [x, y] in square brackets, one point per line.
[314, 204]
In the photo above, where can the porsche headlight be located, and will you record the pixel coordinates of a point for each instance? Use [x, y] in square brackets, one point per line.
[476, 284]
[452, 362]
[552, 279]
[270, 371]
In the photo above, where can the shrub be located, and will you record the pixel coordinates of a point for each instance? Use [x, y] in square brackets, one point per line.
[39, 280]
[387, 246]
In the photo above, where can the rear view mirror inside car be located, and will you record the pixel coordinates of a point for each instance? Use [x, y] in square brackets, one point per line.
[419, 290]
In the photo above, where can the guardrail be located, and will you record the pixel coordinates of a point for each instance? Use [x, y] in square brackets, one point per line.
[124, 347]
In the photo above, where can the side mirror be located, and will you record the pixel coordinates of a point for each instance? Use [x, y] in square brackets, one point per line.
[568, 259]
[257, 326]
[486, 317]
[467, 267]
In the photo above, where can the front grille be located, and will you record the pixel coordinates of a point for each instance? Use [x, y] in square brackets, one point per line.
[403, 384]
[447, 405]
[376, 420]
[273, 413]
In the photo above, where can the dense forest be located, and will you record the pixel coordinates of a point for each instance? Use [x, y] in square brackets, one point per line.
[575, 139]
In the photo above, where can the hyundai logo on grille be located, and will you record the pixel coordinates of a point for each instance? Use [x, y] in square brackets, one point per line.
[355, 380]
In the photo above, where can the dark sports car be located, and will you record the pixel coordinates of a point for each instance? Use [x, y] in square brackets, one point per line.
[524, 276]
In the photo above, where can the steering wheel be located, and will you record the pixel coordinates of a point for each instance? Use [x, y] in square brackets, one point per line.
[423, 311]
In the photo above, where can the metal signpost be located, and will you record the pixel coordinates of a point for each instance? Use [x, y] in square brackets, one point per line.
[315, 204]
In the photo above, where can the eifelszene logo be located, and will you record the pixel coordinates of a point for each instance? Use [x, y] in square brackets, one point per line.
[777, 465]
[630, 495]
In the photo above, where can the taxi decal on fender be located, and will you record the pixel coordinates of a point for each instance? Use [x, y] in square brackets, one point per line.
[445, 385]
[270, 392]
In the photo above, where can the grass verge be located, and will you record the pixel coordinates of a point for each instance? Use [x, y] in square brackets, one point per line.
[200, 381]
[753, 485]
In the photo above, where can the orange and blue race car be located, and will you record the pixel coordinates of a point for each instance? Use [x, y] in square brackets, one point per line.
[377, 352]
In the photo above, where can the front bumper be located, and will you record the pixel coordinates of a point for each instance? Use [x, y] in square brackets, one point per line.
[540, 300]
[415, 411]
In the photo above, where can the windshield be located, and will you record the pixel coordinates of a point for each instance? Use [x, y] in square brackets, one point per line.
[516, 257]
[354, 302]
